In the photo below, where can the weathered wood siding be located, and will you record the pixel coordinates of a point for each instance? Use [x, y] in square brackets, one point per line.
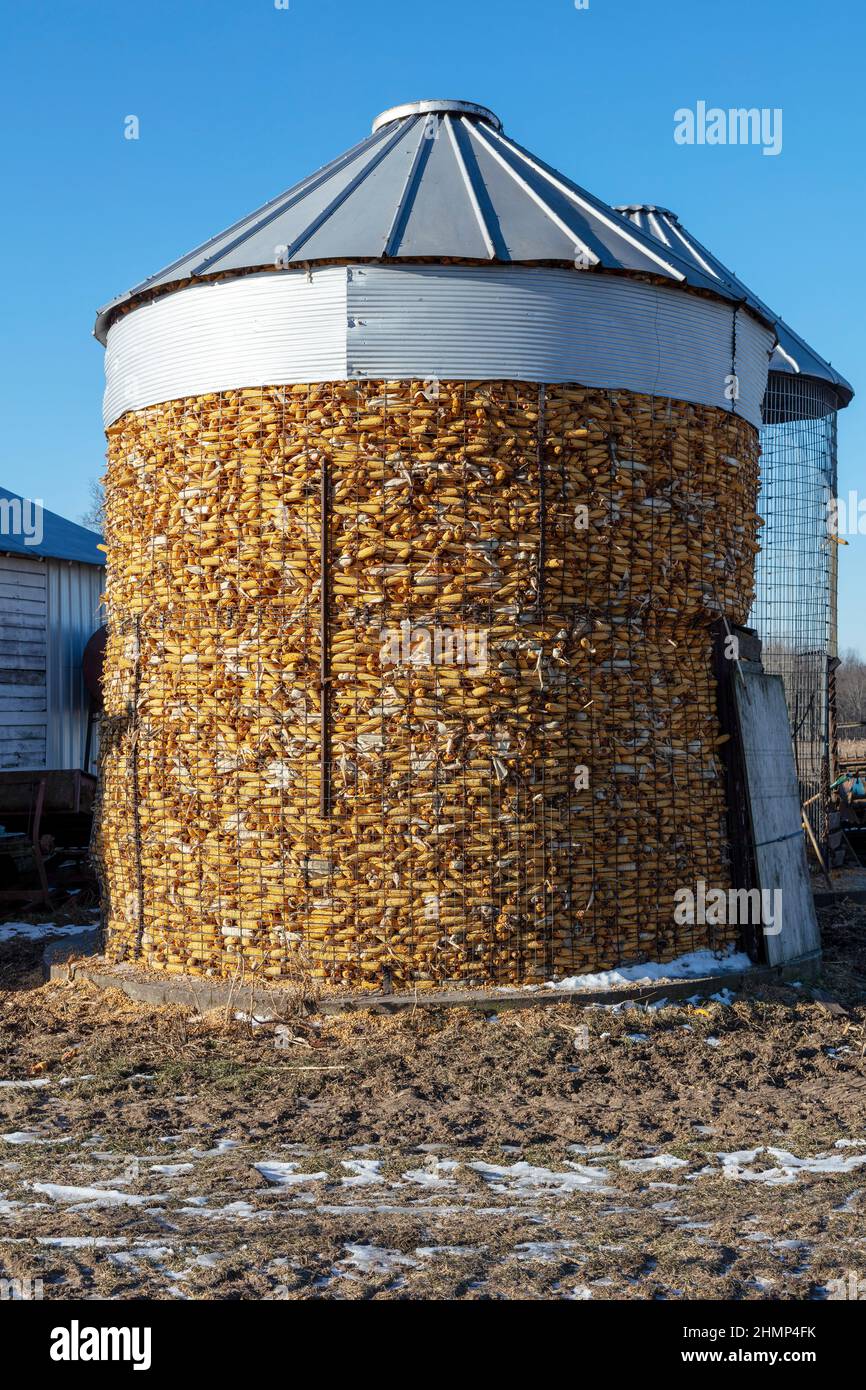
[23, 662]
[48, 610]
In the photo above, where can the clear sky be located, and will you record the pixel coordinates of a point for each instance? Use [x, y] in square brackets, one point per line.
[238, 99]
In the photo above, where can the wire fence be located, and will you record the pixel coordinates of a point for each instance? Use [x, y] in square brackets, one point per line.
[413, 681]
[795, 604]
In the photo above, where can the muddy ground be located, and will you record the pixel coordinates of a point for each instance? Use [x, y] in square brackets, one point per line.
[715, 1149]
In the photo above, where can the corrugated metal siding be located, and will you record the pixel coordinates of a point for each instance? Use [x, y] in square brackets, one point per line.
[73, 616]
[548, 325]
[453, 322]
[274, 328]
[23, 697]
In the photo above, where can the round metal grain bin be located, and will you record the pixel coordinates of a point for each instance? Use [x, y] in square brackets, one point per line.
[426, 485]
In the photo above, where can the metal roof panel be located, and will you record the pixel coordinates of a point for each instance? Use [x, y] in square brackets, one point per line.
[437, 180]
[793, 353]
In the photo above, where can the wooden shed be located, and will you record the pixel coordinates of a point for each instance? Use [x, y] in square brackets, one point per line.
[51, 579]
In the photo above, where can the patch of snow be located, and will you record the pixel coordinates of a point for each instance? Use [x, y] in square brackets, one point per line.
[646, 1165]
[821, 1163]
[376, 1259]
[740, 1157]
[220, 1147]
[713, 1042]
[542, 1251]
[523, 1177]
[363, 1171]
[694, 963]
[90, 1196]
[286, 1174]
[172, 1170]
[81, 1242]
[38, 931]
[737, 1166]
[32, 1136]
[433, 1174]
[197, 1206]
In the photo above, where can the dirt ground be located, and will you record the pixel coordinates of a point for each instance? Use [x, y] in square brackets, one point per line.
[715, 1149]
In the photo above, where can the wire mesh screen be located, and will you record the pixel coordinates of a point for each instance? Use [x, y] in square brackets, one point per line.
[411, 682]
[794, 609]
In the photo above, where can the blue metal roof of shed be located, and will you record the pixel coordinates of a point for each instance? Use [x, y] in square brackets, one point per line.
[61, 539]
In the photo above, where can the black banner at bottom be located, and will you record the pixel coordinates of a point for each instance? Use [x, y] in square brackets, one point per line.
[214, 1338]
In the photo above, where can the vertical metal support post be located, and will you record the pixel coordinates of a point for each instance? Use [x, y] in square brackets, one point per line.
[325, 644]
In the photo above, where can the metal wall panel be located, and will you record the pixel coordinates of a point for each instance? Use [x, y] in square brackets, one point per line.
[270, 329]
[551, 325]
[452, 322]
[73, 616]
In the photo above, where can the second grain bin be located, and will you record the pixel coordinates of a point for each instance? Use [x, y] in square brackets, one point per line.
[426, 485]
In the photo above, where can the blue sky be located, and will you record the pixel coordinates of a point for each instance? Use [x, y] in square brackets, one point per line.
[238, 99]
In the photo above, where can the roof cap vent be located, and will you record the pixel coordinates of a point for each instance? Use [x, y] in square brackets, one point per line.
[627, 208]
[439, 108]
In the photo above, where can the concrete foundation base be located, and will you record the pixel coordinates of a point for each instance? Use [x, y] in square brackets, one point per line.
[65, 962]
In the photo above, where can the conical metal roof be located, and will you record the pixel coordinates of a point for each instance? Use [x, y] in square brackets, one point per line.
[792, 354]
[435, 180]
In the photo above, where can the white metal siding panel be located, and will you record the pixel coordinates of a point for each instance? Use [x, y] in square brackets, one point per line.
[550, 325]
[453, 322]
[271, 329]
[23, 696]
[73, 616]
